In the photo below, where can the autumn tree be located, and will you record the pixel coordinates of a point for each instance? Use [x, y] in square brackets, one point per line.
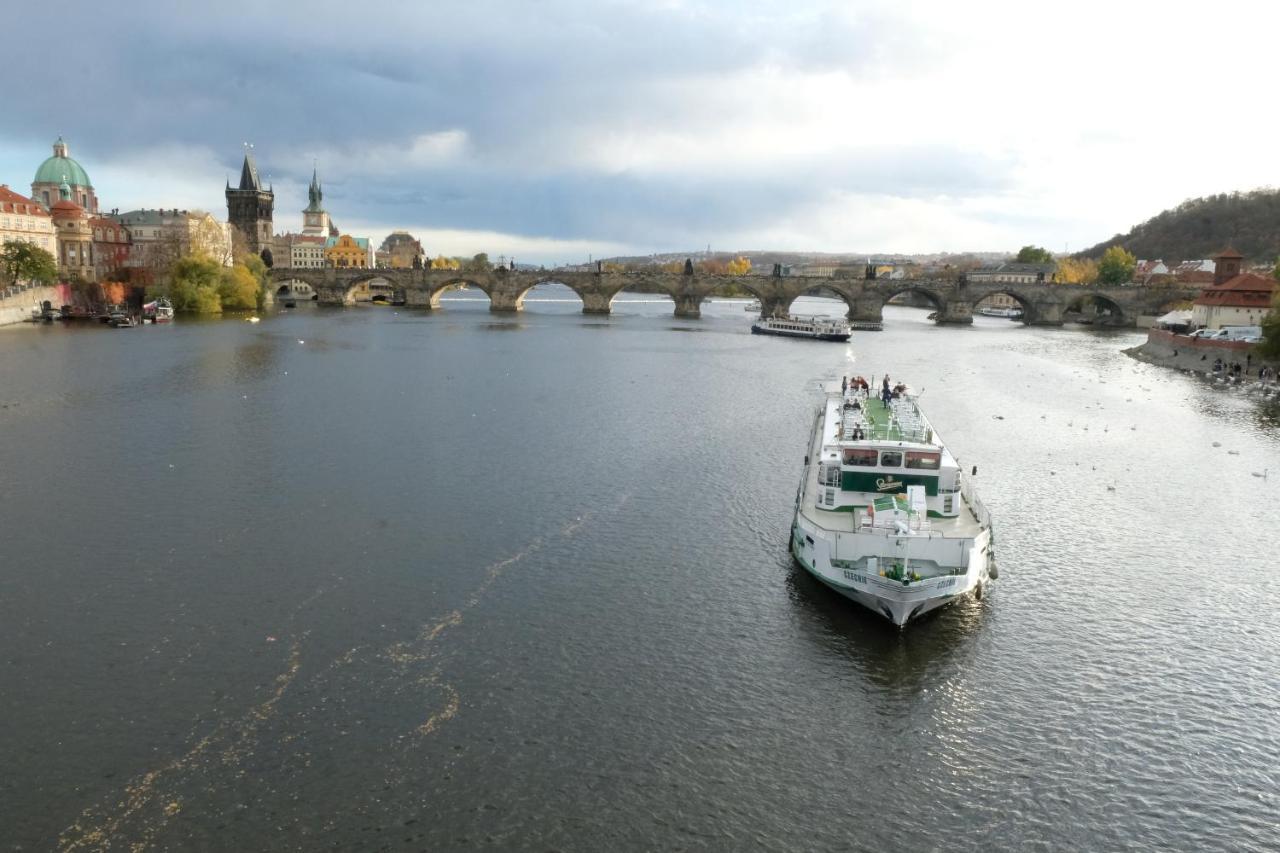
[738, 266]
[1076, 271]
[238, 288]
[1034, 255]
[479, 263]
[1117, 266]
[25, 262]
[193, 285]
[440, 262]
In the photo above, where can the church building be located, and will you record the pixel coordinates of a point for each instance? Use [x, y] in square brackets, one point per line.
[60, 169]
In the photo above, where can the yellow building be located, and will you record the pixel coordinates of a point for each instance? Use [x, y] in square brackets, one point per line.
[23, 220]
[348, 252]
[75, 236]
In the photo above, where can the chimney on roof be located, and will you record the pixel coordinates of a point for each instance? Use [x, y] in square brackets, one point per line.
[1226, 265]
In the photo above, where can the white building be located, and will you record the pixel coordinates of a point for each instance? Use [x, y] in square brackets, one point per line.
[162, 236]
[306, 251]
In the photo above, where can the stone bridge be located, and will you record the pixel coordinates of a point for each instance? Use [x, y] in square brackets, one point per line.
[953, 301]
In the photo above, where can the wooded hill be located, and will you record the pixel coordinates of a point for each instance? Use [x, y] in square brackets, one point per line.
[1248, 222]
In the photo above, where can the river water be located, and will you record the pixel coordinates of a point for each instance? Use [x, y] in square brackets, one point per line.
[380, 579]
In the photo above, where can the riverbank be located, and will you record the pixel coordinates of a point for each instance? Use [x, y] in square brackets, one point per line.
[18, 307]
[1185, 353]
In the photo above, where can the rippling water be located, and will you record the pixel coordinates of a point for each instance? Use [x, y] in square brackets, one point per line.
[368, 578]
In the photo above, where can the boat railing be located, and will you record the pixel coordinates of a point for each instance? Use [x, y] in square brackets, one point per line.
[975, 503]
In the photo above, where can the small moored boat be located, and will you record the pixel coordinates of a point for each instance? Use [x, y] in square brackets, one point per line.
[158, 311]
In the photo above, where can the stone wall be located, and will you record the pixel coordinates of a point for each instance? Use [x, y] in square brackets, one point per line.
[1179, 351]
[18, 307]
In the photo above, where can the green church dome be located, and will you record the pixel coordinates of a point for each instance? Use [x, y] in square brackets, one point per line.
[60, 167]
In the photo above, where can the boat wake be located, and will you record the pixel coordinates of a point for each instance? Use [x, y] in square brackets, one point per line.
[284, 730]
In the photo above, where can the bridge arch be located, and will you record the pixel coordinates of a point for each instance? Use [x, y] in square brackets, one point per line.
[932, 297]
[820, 290]
[643, 284]
[1027, 306]
[371, 287]
[1106, 311]
[548, 279]
[456, 283]
[293, 288]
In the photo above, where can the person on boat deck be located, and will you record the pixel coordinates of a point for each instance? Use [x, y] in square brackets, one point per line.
[857, 433]
[844, 384]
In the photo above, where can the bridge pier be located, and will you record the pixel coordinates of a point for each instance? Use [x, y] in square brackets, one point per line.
[866, 309]
[331, 295]
[773, 306]
[596, 303]
[689, 305]
[501, 302]
[1043, 314]
[418, 299]
[955, 312]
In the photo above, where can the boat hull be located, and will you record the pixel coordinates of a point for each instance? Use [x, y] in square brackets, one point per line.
[891, 600]
[812, 336]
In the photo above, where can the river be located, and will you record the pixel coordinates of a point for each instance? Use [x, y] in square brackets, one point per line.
[371, 578]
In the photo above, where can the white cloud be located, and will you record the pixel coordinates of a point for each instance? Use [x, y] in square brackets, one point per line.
[580, 125]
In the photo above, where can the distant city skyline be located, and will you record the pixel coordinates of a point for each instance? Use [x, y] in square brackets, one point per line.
[553, 131]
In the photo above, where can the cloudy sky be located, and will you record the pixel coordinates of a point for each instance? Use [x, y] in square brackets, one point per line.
[550, 129]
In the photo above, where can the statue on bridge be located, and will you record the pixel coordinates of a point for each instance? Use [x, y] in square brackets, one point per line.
[688, 266]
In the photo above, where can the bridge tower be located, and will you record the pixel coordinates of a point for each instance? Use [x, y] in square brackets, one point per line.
[249, 206]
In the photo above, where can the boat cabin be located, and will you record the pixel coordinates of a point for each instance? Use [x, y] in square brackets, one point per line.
[871, 449]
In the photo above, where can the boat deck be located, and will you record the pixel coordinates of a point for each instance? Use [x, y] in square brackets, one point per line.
[901, 420]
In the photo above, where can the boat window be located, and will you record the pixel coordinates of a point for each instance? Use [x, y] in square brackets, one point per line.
[891, 459]
[923, 459]
[864, 458]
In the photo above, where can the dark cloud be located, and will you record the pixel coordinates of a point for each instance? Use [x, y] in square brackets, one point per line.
[526, 85]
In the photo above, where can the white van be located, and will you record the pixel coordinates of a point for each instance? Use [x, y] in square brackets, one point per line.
[1237, 333]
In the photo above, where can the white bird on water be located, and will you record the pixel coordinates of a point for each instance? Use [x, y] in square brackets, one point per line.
[1262, 473]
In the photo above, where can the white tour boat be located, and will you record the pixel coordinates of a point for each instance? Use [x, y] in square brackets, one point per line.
[883, 515]
[752, 307]
[1007, 313]
[817, 328]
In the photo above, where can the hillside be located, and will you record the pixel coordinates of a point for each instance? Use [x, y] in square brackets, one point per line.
[1248, 222]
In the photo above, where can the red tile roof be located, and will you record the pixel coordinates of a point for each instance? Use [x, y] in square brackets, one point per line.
[10, 202]
[66, 206]
[1228, 253]
[1244, 291]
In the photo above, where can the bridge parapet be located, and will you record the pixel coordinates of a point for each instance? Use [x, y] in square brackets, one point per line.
[953, 301]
